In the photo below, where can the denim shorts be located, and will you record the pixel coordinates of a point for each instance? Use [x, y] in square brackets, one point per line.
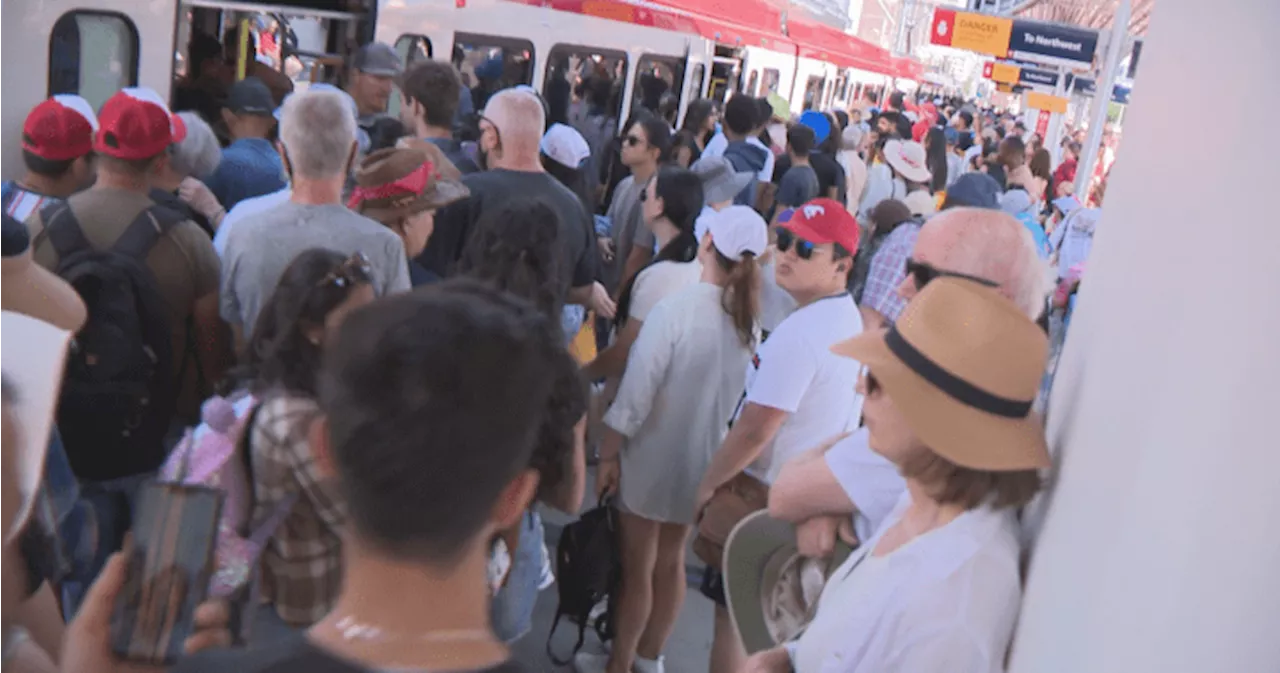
[512, 608]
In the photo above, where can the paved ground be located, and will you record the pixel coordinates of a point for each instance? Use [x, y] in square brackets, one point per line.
[686, 652]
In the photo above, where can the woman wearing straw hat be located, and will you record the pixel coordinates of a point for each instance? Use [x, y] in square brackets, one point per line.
[402, 187]
[949, 394]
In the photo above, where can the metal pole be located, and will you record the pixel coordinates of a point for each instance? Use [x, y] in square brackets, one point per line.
[1102, 99]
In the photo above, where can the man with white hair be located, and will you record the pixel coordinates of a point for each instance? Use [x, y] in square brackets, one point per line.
[511, 129]
[820, 489]
[318, 137]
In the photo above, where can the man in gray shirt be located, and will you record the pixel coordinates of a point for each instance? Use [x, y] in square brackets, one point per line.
[630, 241]
[318, 131]
[799, 185]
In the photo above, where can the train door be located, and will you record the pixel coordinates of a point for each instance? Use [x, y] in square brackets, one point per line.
[91, 48]
[726, 74]
[701, 55]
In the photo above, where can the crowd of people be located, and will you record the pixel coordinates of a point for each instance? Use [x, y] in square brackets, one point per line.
[808, 345]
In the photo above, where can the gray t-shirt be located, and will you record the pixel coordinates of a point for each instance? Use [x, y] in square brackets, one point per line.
[799, 186]
[626, 228]
[262, 246]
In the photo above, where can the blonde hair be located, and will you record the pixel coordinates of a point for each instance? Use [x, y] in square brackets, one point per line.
[318, 129]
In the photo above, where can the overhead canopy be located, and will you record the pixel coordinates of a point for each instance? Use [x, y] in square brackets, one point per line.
[684, 18]
[822, 42]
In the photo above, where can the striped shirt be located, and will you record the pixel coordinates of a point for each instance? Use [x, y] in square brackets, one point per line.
[19, 203]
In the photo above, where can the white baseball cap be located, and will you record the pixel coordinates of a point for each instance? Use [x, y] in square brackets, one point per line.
[565, 145]
[737, 230]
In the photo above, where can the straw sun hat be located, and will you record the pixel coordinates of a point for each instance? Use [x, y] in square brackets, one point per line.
[963, 365]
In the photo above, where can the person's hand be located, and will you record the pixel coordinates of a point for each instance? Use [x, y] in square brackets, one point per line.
[601, 303]
[606, 248]
[816, 537]
[87, 643]
[608, 475]
[703, 496]
[197, 195]
[775, 660]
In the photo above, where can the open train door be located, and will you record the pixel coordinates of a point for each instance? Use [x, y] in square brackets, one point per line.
[91, 48]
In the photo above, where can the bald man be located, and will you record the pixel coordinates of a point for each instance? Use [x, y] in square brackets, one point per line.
[819, 490]
[511, 127]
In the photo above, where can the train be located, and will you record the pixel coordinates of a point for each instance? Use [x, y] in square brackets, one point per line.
[657, 51]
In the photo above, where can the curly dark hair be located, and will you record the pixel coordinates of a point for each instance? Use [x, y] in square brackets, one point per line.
[280, 355]
[553, 454]
[514, 248]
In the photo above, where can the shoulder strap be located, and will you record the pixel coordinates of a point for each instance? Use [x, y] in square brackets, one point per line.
[577, 647]
[63, 230]
[147, 228]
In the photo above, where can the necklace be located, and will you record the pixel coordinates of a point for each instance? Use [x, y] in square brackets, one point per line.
[350, 630]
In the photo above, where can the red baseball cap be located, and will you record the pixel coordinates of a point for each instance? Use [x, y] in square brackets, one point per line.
[824, 221]
[136, 124]
[60, 128]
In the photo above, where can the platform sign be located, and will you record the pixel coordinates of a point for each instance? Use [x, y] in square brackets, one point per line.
[1050, 43]
[1046, 102]
[1042, 123]
[1001, 72]
[1039, 77]
[975, 32]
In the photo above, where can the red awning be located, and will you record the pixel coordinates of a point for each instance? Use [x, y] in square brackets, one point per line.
[668, 16]
[822, 42]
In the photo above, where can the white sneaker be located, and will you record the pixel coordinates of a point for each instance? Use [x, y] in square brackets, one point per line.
[589, 662]
[642, 665]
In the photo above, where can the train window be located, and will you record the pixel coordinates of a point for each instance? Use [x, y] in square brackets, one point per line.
[772, 79]
[659, 80]
[582, 81]
[753, 82]
[699, 74]
[92, 54]
[413, 48]
[813, 92]
[842, 89]
[489, 64]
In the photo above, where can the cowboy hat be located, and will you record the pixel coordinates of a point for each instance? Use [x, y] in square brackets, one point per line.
[771, 590]
[30, 289]
[908, 159]
[400, 181]
[34, 353]
[963, 365]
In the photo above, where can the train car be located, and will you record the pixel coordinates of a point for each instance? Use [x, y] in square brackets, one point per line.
[657, 54]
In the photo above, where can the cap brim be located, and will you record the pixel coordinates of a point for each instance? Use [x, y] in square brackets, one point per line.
[34, 355]
[802, 230]
[958, 432]
[32, 290]
[381, 72]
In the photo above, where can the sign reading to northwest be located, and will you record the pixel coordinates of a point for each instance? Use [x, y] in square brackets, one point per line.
[1051, 43]
[975, 32]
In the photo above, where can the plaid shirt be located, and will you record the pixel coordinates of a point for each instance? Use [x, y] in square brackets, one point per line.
[888, 268]
[302, 562]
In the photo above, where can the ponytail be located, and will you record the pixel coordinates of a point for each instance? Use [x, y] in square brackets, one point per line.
[741, 295]
[683, 249]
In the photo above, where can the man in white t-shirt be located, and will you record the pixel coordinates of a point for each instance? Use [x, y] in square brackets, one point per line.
[798, 392]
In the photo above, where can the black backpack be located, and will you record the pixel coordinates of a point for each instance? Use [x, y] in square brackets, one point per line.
[119, 389]
[588, 571]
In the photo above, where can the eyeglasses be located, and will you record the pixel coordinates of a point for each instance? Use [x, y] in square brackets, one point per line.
[787, 239]
[354, 271]
[923, 273]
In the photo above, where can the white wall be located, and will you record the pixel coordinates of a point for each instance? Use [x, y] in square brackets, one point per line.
[1161, 549]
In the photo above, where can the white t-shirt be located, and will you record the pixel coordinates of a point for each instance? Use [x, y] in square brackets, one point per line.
[660, 281]
[871, 481]
[775, 303]
[795, 371]
[945, 601]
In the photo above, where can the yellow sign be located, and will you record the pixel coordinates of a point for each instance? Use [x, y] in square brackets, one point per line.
[1004, 88]
[1006, 73]
[981, 33]
[1044, 101]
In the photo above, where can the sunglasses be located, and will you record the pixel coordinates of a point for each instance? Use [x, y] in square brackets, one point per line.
[354, 271]
[923, 273]
[786, 240]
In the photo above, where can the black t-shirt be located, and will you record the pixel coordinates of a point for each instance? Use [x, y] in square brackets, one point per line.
[291, 656]
[494, 189]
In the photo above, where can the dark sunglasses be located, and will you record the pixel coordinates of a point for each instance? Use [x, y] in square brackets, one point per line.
[924, 273]
[354, 271]
[786, 239]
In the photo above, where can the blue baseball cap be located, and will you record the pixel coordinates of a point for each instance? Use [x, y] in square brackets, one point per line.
[974, 190]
